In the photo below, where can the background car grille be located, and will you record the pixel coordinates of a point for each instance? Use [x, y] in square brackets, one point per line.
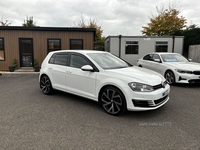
[196, 72]
[194, 81]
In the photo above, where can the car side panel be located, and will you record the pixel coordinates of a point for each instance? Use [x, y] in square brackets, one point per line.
[81, 82]
[155, 66]
[57, 75]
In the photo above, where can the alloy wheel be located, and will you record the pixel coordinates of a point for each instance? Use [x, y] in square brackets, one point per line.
[45, 85]
[112, 101]
[170, 77]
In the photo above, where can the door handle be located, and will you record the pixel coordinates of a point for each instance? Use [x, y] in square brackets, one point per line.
[68, 71]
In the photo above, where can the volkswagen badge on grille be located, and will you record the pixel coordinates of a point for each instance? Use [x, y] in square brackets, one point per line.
[163, 84]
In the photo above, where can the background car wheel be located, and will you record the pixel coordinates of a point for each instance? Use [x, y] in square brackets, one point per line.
[170, 77]
[140, 66]
[45, 85]
[113, 101]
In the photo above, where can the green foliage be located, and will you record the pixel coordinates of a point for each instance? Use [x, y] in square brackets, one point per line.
[15, 63]
[99, 38]
[99, 44]
[29, 22]
[191, 37]
[35, 63]
[165, 24]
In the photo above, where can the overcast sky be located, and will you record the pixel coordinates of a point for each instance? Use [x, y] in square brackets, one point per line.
[125, 17]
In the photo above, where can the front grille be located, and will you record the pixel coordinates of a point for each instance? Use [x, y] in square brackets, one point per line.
[194, 81]
[160, 100]
[159, 86]
[138, 103]
[149, 103]
[196, 72]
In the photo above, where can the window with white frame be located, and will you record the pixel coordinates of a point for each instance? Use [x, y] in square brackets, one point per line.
[132, 47]
[161, 46]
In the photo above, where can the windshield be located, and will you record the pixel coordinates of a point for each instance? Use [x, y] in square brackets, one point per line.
[108, 61]
[173, 58]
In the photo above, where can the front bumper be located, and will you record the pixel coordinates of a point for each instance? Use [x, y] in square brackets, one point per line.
[141, 101]
[187, 78]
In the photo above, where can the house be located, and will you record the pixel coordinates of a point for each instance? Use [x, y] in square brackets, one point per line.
[131, 48]
[26, 44]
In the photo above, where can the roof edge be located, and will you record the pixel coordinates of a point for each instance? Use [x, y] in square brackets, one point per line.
[47, 28]
[110, 36]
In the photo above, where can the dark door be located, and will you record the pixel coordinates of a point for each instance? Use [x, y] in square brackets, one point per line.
[26, 52]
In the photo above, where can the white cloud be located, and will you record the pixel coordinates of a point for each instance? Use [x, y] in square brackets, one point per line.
[116, 17]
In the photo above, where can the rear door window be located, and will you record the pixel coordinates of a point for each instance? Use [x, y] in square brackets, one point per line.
[59, 59]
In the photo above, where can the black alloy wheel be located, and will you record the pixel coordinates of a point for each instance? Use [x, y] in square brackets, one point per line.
[113, 101]
[170, 77]
[45, 85]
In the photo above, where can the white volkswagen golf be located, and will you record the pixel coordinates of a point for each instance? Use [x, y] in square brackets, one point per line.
[105, 78]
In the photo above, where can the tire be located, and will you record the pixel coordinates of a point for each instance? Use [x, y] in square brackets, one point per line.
[170, 77]
[140, 66]
[45, 85]
[112, 101]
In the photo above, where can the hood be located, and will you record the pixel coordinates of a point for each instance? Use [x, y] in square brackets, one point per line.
[191, 66]
[137, 74]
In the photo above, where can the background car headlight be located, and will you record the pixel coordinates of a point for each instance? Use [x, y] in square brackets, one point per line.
[139, 87]
[184, 71]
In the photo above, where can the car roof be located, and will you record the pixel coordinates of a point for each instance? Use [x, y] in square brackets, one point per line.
[80, 51]
[162, 53]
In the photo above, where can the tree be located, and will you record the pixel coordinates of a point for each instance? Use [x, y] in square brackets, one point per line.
[29, 22]
[165, 24]
[4, 22]
[191, 37]
[99, 39]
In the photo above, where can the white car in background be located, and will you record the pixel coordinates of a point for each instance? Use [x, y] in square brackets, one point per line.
[173, 66]
[105, 78]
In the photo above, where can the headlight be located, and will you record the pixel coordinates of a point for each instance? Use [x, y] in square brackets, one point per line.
[184, 71]
[139, 87]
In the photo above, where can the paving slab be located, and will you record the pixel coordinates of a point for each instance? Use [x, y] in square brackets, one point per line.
[16, 73]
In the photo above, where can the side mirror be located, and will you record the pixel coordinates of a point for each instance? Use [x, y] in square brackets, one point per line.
[157, 60]
[87, 68]
[189, 59]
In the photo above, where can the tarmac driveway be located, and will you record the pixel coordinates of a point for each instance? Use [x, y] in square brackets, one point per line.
[32, 120]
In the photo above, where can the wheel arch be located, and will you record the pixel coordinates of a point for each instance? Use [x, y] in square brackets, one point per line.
[43, 74]
[110, 85]
[175, 75]
[167, 71]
